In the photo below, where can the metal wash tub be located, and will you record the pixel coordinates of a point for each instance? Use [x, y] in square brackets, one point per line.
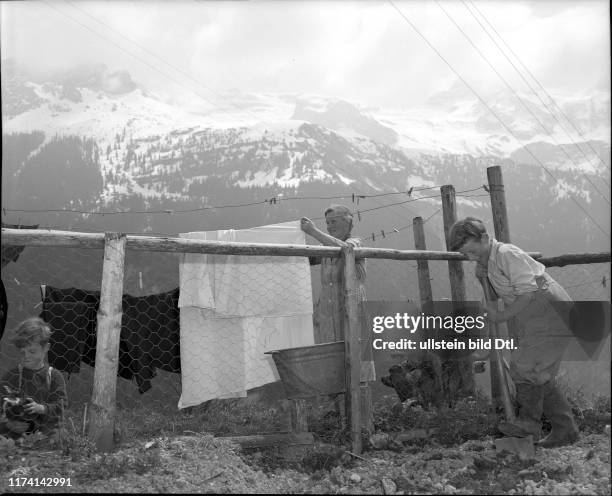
[311, 370]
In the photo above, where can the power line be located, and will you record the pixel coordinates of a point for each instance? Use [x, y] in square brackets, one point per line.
[534, 92]
[516, 95]
[269, 201]
[559, 109]
[397, 230]
[494, 114]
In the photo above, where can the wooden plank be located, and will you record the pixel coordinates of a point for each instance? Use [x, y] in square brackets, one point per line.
[367, 415]
[575, 259]
[265, 440]
[461, 366]
[389, 254]
[176, 245]
[422, 265]
[70, 239]
[455, 269]
[502, 233]
[497, 365]
[498, 204]
[352, 353]
[41, 237]
[102, 415]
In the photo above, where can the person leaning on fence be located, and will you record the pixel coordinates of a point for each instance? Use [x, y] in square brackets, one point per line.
[535, 300]
[329, 309]
[33, 394]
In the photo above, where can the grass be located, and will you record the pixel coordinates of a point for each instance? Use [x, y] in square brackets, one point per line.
[221, 418]
[470, 418]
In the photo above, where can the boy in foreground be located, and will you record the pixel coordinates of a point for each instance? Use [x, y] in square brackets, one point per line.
[33, 394]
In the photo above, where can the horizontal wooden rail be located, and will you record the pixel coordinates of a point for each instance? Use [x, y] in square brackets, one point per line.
[70, 239]
[575, 259]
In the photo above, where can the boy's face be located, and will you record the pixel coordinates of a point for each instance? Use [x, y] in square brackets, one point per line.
[33, 355]
[338, 226]
[475, 249]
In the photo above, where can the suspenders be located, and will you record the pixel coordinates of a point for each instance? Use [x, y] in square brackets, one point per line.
[48, 376]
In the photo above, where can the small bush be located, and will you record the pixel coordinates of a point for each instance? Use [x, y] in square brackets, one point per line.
[327, 427]
[470, 418]
[392, 416]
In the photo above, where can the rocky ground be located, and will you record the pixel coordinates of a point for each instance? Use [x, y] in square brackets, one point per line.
[414, 451]
[202, 463]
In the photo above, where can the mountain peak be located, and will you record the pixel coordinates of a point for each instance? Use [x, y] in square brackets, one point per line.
[345, 118]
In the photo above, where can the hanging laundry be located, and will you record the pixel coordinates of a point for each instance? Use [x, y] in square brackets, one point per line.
[10, 253]
[3, 308]
[235, 308]
[149, 337]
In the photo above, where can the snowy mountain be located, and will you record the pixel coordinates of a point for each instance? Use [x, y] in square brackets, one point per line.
[95, 139]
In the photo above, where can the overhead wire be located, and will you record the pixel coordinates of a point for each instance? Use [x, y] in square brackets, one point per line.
[526, 69]
[519, 98]
[488, 107]
[163, 73]
[273, 200]
[482, 55]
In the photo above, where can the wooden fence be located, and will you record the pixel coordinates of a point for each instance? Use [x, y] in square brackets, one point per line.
[109, 314]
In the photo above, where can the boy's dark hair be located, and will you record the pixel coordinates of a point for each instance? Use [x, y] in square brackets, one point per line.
[465, 229]
[32, 330]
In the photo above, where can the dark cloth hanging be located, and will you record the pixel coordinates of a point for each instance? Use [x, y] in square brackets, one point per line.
[73, 326]
[10, 253]
[150, 332]
[3, 308]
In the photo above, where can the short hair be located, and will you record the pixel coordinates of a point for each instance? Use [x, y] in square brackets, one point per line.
[465, 229]
[32, 330]
[340, 211]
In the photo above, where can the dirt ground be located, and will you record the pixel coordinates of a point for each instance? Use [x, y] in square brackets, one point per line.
[201, 463]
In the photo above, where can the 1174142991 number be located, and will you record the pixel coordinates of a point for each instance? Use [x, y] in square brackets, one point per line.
[39, 481]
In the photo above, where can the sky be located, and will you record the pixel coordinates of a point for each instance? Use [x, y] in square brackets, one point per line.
[365, 52]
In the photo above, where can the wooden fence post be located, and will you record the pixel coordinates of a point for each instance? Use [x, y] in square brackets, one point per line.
[463, 366]
[455, 269]
[422, 265]
[102, 418]
[352, 349]
[502, 233]
[425, 292]
[498, 204]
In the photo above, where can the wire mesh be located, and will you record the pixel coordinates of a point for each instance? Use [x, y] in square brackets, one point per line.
[260, 304]
[267, 292]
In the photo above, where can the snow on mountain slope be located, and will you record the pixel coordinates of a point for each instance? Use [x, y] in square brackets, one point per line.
[257, 140]
[100, 115]
[87, 102]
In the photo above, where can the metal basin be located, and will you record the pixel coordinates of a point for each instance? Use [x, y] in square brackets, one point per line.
[311, 370]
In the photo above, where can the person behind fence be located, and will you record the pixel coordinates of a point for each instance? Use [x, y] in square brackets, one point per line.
[33, 394]
[329, 309]
[538, 305]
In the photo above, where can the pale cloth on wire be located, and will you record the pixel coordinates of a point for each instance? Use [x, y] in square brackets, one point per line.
[234, 308]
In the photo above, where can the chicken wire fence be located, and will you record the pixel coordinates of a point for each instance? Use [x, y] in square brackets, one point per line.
[152, 373]
[395, 280]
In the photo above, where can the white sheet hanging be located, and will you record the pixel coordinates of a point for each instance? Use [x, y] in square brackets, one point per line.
[235, 308]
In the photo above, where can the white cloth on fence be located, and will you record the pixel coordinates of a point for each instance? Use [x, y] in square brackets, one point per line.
[234, 308]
